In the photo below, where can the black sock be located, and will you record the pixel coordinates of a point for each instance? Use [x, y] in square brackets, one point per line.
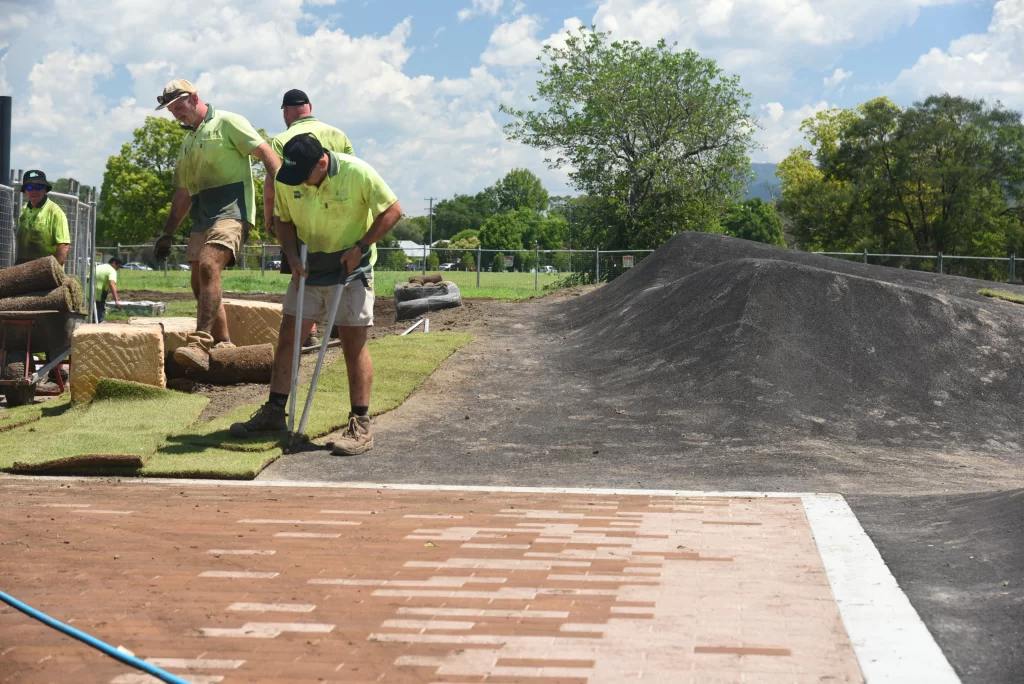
[278, 399]
[360, 410]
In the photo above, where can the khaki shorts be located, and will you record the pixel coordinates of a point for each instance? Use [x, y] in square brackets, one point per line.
[231, 233]
[355, 309]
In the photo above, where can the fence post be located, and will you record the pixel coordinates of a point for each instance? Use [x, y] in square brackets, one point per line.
[865, 255]
[597, 265]
[118, 250]
[479, 263]
[165, 266]
[940, 262]
[1013, 264]
[424, 260]
[536, 266]
[263, 258]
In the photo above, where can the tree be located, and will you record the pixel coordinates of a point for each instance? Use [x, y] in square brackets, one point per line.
[521, 189]
[755, 220]
[408, 229]
[944, 175]
[138, 185]
[505, 231]
[467, 262]
[432, 260]
[661, 136]
[546, 232]
[462, 212]
[498, 263]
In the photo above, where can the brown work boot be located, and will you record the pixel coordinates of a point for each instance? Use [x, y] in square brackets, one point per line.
[196, 355]
[356, 438]
[268, 418]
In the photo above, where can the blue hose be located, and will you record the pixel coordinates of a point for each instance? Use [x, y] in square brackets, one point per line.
[91, 641]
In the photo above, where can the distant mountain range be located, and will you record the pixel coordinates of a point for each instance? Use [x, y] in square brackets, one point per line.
[765, 179]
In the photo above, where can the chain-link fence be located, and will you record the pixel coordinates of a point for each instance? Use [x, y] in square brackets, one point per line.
[7, 223]
[998, 269]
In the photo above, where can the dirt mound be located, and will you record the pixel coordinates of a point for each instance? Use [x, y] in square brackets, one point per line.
[731, 339]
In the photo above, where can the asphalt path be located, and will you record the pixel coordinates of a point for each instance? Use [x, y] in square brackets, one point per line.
[512, 409]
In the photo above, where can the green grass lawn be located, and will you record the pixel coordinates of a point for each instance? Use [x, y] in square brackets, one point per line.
[160, 425]
[492, 285]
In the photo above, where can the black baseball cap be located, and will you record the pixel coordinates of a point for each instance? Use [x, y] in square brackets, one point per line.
[35, 177]
[294, 97]
[116, 261]
[301, 154]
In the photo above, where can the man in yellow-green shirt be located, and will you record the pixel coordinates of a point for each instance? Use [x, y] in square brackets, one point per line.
[213, 181]
[42, 225]
[106, 284]
[338, 206]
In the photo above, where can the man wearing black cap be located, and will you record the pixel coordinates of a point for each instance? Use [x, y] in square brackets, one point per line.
[42, 225]
[106, 284]
[338, 206]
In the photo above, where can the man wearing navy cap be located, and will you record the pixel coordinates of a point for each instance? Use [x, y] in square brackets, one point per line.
[338, 206]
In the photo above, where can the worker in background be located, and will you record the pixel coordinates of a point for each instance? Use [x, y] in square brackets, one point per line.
[297, 111]
[42, 226]
[339, 207]
[106, 284]
[213, 181]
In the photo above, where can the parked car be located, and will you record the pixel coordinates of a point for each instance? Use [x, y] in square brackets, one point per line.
[549, 269]
[446, 267]
[136, 266]
[274, 264]
[411, 267]
[184, 267]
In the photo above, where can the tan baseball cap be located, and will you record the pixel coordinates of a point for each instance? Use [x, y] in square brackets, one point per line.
[174, 91]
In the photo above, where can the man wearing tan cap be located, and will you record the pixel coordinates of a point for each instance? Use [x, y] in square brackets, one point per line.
[213, 181]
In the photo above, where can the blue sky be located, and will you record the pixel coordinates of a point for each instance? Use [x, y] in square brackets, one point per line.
[416, 84]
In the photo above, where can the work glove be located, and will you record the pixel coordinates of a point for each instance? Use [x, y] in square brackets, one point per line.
[162, 248]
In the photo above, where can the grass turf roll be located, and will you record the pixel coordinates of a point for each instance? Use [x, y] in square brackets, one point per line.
[231, 366]
[77, 293]
[59, 299]
[34, 276]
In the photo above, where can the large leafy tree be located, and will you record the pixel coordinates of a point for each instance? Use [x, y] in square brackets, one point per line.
[463, 212]
[505, 231]
[944, 175]
[138, 184]
[660, 136]
[755, 220]
[520, 189]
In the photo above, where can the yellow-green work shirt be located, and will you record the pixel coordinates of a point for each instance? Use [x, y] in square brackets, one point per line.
[214, 166]
[41, 230]
[105, 274]
[330, 137]
[331, 218]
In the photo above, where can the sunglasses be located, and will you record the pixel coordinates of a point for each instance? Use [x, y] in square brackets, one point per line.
[170, 97]
[30, 188]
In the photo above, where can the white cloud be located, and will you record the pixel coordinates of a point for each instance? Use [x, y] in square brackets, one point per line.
[836, 78]
[780, 129]
[426, 136]
[514, 43]
[479, 7]
[765, 41]
[322, 3]
[988, 65]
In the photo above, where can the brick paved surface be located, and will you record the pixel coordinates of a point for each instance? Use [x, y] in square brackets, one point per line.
[275, 584]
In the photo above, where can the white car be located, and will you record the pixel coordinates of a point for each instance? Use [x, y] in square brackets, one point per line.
[446, 267]
[549, 269]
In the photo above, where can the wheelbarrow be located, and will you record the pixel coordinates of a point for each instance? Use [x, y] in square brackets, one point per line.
[25, 334]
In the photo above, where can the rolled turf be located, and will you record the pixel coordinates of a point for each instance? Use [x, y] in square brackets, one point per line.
[250, 364]
[41, 275]
[59, 299]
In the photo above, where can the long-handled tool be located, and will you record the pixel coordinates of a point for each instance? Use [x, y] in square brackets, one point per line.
[300, 436]
[297, 343]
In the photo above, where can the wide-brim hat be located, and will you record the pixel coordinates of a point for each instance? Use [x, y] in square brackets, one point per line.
[174, 91]
[35, 177]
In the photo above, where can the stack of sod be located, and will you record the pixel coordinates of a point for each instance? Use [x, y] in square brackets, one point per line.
[39, 285]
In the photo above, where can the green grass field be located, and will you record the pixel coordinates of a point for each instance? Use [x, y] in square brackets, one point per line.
[158, 425]
[492, 285]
